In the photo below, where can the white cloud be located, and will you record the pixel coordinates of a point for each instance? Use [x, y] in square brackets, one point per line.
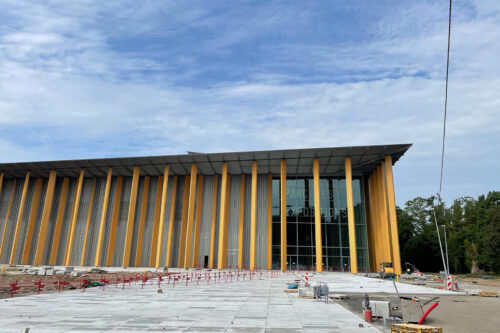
[64, 93]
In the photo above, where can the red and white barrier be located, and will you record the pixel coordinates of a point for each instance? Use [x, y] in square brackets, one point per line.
[449, 281]
[306, 277]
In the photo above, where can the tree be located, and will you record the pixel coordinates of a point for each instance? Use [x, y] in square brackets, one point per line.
[473, 227]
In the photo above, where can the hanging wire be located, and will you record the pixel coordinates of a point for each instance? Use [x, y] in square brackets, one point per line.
[445, 100]
[446, 267]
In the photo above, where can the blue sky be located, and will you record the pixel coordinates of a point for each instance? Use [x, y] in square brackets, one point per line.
[84, 79]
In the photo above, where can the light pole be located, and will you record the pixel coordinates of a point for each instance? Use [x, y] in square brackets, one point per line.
[446, 247]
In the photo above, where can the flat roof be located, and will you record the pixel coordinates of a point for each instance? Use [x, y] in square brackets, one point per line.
[365, 160]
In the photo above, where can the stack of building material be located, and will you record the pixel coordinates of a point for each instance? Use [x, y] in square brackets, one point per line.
[414, 328]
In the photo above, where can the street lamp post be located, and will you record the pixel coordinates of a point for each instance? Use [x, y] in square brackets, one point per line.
[446, 247]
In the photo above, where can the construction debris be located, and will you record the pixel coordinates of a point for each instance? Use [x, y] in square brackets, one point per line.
[291, 290]
[485, 293]
[413, 328]
[306, 292]
[338, 296]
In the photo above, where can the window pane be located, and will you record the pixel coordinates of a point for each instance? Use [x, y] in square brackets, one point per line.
[291, 234]
[304, 235]
[277, 234]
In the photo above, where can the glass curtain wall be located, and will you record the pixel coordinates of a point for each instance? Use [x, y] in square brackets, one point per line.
[301, 252]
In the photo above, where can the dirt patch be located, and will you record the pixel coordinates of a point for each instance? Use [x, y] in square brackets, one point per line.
[15, 284]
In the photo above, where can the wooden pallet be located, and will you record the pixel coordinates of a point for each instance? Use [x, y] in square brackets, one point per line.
[291, 290]
[488, 293]
[307, 297]
[414, 328]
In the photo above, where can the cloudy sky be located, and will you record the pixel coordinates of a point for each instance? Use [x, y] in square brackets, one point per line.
[85, 79]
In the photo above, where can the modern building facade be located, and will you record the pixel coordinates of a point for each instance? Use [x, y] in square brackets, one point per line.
[320, 209]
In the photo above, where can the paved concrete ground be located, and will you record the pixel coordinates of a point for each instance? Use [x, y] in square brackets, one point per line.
[244, 306]
[350, 283]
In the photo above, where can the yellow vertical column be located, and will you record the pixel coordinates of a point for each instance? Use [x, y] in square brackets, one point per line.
[171, 221]
[350, 216]
[385, 217]
[19, 218]
[380, 241]
[197, 225]
[102, 224]
[7, 216]
[1, 181]
[317, 217]
[31, 222]
[74, 217]
[253, 217]
[164, 194]
[222, 220]
[379, 249]
[131, 217]
[387, 226]
[156, 222]
[114, 221]
[44, 224]
[242, 221]
[283, 214]
[182, 240]
[228, 197]
[142, 222]
[190, 217]
[213, 221]
[392, 214]
[61, 208]
[269, 221]
[87, 226]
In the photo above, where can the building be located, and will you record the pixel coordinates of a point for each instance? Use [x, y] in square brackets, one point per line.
[335, 211]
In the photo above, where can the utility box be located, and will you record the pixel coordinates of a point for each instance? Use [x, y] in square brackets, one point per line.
[380, 308]
[412, 311]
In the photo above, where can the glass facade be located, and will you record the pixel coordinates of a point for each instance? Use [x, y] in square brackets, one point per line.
[301, 251]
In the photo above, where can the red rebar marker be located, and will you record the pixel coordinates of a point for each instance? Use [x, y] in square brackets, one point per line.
[14, 288]
[39, 285]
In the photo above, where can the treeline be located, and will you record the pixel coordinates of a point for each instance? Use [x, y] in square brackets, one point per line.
[473, 233]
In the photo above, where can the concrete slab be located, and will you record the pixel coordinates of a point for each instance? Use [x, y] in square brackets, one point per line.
[339, 282]
[243, 306]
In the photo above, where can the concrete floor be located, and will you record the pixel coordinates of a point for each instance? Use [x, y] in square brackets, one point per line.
[243, 306]
[354, 284]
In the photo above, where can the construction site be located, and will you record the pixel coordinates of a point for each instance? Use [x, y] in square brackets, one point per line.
[159, 244]
[282, 240]
[84, 299]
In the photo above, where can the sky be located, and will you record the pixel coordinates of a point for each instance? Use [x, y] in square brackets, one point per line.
[91, 79]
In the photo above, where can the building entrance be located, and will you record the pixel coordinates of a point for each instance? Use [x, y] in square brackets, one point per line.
[300, 224]
[292, 262]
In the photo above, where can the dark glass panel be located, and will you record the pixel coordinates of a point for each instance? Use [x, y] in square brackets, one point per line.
[276, 233]
[291, 234]
[276, 261]
[344, 232]
[334, 252]
[346, 264]
[291, 201]
[304, 234]
[332, 234]
[305, 262]
[305, 250]
[323, 235]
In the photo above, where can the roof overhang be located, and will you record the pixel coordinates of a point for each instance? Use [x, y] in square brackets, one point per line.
[299, 162]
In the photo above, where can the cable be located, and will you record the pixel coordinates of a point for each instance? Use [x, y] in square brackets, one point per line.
[445, 100]
[446, 269]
